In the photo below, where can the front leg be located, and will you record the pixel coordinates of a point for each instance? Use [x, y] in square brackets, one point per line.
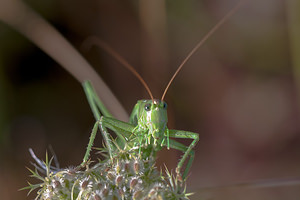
[106, 137]
[123, 131]
[90, 145]
[188, 150]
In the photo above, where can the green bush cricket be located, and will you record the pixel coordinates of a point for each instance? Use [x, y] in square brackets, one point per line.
[147, 127]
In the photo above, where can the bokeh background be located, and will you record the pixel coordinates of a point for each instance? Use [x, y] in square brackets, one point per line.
[239, 91]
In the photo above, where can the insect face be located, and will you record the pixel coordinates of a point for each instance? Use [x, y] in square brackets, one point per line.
[156, 117]
[152, 116]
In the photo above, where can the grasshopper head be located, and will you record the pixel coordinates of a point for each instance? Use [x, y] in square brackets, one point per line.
[151, 115]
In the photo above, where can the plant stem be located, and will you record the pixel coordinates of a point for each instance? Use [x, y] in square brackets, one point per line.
[23, 19]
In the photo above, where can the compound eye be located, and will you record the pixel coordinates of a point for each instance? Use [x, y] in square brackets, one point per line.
[165, 105]
[147, 107]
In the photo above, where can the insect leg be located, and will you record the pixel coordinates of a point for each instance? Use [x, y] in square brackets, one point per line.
[122, 129]
[119, 127]
[95, 103]
[188, 150]
[97, 108]
[90, 145]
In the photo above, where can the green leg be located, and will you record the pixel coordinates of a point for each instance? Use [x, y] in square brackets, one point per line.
[90, 145]
[188, 150]
[96, 104]
[97, 108]
[122, 129]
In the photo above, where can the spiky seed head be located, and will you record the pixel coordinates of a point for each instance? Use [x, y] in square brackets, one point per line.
[126, 166]
[84, 184]
[97, 197]
[119, 179]
[110, 176]
[133, 183]
[152, 192]
[105, 192]
[107, 169]
[95, 184]
[136, 167]
[137, 195]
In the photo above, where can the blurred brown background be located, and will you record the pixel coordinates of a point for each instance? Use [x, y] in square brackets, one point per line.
[239, 91]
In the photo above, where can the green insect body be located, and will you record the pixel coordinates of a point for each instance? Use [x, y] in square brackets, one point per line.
[146, 131]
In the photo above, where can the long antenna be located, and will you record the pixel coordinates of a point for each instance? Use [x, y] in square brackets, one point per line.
[96, 41]
[213, 30]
